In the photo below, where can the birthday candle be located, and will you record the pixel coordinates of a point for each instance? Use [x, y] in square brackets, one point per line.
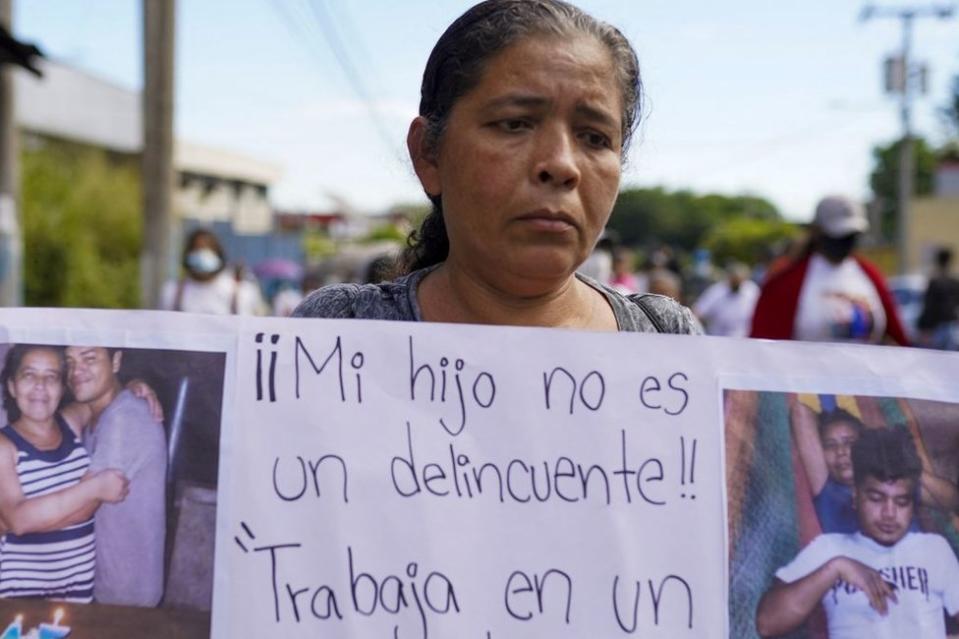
[14, 629]
[54, 630]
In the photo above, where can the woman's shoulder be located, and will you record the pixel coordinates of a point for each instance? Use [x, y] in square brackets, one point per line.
[665, 314]
[6, 443]
[393, 300]
[646, 312]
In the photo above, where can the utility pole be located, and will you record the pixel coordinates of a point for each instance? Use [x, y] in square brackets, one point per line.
[11, 242]
[158, 62]
[901, 77]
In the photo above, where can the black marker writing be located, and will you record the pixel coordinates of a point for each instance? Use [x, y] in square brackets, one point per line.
[295, 488]
[522, 481]
[335, 355]
[519, 583]
[483, 388]
[591, 390]
[631, 623]
[652, 394]
[271, 376]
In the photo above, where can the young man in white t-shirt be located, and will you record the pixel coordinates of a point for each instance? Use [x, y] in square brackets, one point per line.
[883, 582]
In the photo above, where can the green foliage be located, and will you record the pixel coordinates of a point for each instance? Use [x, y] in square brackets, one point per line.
[748, 240]
[317, 246]
[884, 179]
[384, 233]
[682, 219]
[413, 212]
[82, 227]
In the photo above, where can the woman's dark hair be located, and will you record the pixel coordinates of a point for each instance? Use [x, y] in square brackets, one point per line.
[12, 364]
[458, 60]
[212, 240]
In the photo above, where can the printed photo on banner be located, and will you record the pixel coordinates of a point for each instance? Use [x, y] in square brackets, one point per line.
[108, 473]
[843, 515]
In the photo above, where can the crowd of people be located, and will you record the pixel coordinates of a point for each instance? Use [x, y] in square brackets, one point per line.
[820, 289]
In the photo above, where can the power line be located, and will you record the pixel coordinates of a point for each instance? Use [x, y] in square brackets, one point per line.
[313, 25]
[342, 56]
[292, 25]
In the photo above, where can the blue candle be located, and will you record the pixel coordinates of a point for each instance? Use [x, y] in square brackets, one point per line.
[14, 629]
[54, 630]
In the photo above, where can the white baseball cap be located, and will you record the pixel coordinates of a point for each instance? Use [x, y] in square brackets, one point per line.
[838, 216]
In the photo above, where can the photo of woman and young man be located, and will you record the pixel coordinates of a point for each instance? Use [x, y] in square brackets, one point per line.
[843, 516]
[98, 449]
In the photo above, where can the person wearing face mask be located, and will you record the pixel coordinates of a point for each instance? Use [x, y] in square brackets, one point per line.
[829, 294]
[208, 285]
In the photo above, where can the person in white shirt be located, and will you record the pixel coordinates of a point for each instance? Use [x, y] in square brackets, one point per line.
[726, 307]
[882, 582]
[208, 284]
[828, 292]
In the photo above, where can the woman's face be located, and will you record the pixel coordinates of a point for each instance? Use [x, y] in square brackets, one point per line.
[528, 166]
[37, 386]
[837, 441]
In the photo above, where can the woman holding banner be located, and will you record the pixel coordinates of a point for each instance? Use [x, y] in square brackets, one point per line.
[47, 498]
[526, 111]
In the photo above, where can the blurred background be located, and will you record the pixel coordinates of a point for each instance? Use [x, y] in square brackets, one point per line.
[280, 125]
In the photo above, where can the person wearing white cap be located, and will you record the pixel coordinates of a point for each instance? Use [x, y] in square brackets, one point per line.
[829, 293]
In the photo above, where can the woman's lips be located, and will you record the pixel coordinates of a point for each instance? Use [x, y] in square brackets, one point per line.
[549, 222]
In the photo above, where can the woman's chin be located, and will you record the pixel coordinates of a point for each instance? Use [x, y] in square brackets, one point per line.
[540, 275]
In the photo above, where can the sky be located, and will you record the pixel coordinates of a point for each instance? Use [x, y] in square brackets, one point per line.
[777, 98]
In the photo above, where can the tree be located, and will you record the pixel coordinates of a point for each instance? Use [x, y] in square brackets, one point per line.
[682, 219]
[884, 179]
[748, 240]
[81, 226]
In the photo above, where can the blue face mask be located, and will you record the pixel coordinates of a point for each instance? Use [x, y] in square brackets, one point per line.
[204, 261]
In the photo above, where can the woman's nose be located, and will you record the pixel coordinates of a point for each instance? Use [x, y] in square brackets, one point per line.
[556, 158]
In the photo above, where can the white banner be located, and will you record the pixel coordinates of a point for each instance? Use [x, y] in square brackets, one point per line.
[422, 480]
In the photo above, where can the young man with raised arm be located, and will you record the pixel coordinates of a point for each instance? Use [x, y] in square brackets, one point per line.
[883, 582]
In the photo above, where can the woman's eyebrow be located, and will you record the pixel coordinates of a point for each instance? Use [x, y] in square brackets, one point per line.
[599, 116]
[516, 99]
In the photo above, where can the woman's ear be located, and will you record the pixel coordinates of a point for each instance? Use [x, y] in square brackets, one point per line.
[423, 156]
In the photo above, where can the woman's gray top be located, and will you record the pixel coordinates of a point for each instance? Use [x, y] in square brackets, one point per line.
[396, 300]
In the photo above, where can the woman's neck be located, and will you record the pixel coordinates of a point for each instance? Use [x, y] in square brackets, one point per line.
[43, 435]
[451, 294]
